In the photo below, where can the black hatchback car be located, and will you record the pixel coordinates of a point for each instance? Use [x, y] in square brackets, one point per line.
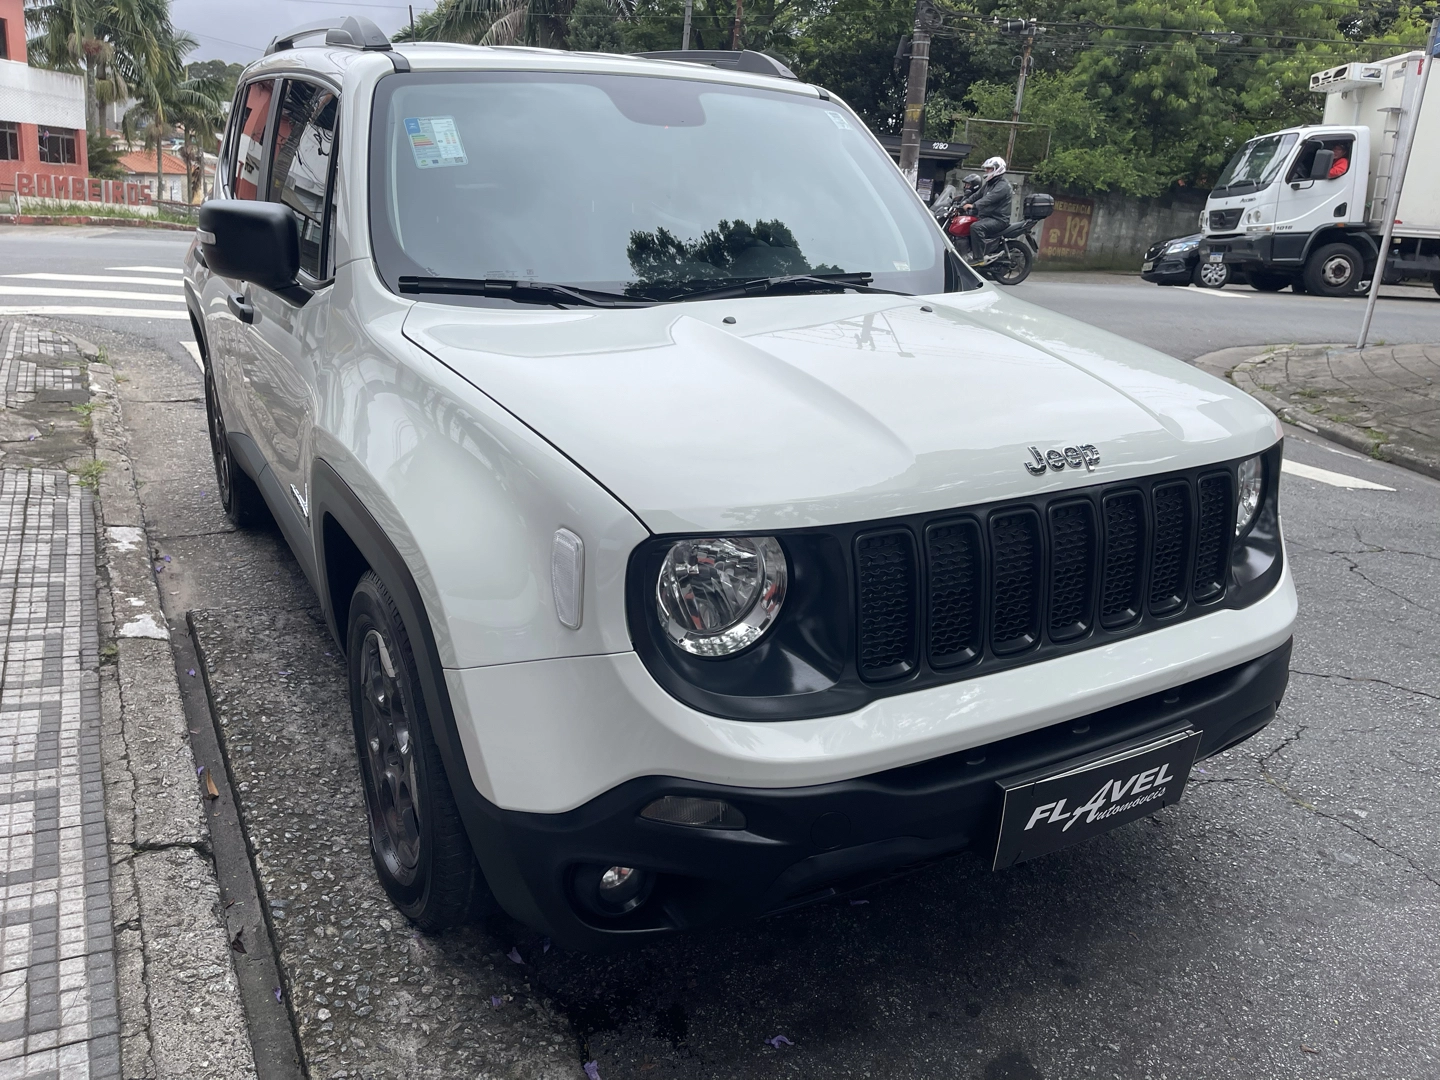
[1178, 262]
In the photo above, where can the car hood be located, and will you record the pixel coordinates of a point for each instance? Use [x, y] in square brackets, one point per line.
[817, 410]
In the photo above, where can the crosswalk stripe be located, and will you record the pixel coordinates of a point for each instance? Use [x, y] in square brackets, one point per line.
[89, 294]
[163, 283]
[194, 351]
[150, 269]
[1325, 476]
[72, 309]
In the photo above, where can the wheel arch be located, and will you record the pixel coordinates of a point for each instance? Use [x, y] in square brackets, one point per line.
[1362, 241]
[349, 542]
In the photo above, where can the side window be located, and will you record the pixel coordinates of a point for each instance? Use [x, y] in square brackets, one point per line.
[300, 176]
[250, 139]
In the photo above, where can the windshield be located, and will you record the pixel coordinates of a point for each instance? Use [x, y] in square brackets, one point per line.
[1256, 164]
[652, 187]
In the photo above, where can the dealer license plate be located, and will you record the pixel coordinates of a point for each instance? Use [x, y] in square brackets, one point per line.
[1148, 264]
[1217, 256]
[1068, 804]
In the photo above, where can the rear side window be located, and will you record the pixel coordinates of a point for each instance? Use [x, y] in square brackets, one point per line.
[250, 134]
[301, 174]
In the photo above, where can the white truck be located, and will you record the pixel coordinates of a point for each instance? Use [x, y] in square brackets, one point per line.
[1305, 206]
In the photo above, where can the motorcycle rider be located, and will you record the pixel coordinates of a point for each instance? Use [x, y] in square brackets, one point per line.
[952, 195]
[991, 207]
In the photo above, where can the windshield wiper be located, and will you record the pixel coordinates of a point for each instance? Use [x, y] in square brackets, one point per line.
[859, 282]
[522, 292]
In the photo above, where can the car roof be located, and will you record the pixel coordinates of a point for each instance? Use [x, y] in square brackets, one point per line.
[335, 60]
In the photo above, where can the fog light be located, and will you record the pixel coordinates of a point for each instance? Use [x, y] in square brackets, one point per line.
[697, 813]
[613, 890]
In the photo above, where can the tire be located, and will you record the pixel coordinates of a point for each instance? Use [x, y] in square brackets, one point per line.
[1261, 281]
[1435, 281]
[239, 495]
[1298, 286]
[1019, 268]
[418, 843]
[1208, 275]
[1334, 270]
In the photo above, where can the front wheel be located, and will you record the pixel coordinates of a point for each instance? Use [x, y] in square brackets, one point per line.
[239, 495]
[1017, 267]
[1210, 275]
[1435, 281]
[418, 843]
[1333, 270]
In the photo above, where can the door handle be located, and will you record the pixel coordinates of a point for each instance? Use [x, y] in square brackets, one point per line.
[241, 308]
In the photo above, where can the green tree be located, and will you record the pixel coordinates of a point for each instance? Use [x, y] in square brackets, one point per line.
[104, 157]
[593, 26]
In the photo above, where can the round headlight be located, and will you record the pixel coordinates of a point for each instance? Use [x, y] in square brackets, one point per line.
[718, 595]
[1252, 483]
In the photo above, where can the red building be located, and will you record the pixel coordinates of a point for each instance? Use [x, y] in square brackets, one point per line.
[42, 117]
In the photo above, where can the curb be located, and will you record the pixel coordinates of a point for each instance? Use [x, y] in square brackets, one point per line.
[86, 219]
[1242, 375]
[181, 1014]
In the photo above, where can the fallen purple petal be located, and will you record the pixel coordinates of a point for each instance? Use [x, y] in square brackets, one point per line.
[779, 1041]
[165, 557]
[200, 771]
[192, 672]
[495, 1002]
[284, 673]
[545, 945]
[592, 1071]
[514, 955]
[30, 439]
[279, 994]
[857, 903]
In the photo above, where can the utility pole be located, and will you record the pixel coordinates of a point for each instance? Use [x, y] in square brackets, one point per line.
[735, 30]
[925, 21]
[1404, 140]
[685, 38]
[1030, 31]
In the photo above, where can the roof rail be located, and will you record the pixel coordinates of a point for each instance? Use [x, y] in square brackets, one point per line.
[756, 63]
[354, 30]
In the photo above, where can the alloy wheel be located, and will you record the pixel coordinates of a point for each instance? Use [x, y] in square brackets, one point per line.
[390, 755]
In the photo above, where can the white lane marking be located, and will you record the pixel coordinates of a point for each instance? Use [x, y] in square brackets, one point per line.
[84, 309]
[1221, 294]
[91, 294]
[1325, 476]
[194, 351]
[163, 283]
[150, 269]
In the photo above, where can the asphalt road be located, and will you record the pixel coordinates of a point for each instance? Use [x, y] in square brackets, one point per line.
[1279, 922]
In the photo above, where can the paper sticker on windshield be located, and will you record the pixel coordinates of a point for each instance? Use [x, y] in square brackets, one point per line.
[838, 119]
[435, 141]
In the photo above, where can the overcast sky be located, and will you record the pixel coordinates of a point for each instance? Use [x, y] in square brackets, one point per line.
[227, 30]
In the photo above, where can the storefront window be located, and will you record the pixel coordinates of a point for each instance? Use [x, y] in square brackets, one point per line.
[57, 146]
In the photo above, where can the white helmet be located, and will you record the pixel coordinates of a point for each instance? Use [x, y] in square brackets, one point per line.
[994, 167]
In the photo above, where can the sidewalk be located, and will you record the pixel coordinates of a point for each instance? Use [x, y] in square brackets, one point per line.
[1383, 400]
[114, 958]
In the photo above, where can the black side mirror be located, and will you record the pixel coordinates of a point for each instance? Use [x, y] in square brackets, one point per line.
[254, 241]
[1320, 167]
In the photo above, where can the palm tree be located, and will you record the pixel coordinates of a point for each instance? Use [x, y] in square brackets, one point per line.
[168, 97]
[115, 44]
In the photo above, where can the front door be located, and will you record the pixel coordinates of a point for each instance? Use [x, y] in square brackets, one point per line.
[289, 330]
[1309, 203]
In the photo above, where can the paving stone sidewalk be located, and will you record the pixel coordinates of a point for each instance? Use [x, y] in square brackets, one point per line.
[114, 954]
[1383, 400]
[58, 1005]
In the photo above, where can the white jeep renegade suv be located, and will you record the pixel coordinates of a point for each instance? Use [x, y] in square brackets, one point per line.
[703, 537]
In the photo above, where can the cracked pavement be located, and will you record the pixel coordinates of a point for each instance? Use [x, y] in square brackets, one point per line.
[1279, 922]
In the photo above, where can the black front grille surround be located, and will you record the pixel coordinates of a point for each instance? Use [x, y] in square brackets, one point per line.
[1225, 220]
[886, 607]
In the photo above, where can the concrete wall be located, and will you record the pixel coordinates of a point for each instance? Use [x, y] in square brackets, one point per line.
[1121, 227]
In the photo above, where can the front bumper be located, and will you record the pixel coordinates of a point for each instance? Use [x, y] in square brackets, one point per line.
[1243, 250]
[1169, 269]
[805, 844]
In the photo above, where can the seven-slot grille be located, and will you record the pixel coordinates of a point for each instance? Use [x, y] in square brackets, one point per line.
[1051, 572]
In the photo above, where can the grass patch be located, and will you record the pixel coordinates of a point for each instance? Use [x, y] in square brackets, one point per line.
[86, 411]
[62, 208]
[88, 475]
[110, 653]
[101, 356]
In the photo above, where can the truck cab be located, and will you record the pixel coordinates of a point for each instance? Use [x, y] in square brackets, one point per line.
[1287, 196]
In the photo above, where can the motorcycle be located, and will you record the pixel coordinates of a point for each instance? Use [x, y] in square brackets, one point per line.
[1010, 256]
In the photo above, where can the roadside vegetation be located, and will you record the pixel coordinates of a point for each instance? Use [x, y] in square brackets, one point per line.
[1138, 97]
